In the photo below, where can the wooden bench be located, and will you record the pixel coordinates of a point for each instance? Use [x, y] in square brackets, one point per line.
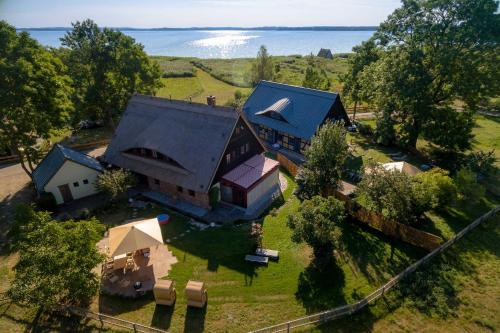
[271, 254]
[257, 259]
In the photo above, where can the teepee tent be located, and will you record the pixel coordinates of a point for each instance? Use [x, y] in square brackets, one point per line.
[134, 236]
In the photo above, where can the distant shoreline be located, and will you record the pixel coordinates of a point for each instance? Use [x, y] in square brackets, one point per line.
[312, 28]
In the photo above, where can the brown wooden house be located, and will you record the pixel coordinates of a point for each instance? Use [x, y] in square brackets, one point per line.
[185, 150]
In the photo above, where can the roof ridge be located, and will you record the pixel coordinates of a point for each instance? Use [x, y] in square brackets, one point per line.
[221, 111]
[300, 89]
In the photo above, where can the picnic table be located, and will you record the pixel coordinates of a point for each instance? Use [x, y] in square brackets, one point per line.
[257, 259]
[272, 254]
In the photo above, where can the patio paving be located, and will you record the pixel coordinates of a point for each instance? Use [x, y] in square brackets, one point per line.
[148, 270]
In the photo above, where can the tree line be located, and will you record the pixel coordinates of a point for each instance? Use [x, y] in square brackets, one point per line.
[91, 76]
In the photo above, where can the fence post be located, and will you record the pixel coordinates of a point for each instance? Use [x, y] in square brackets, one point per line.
[135, 328]
[288, 327]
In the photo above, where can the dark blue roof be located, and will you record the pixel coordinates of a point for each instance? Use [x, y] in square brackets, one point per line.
[48, 167]
[295, 110]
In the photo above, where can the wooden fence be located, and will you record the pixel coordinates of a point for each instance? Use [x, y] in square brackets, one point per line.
[350, 309]
[291, 167]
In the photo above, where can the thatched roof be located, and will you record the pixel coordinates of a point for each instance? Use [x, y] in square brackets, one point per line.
[193, 135]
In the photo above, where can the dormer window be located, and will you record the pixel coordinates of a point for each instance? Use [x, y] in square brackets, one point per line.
[154, 155]
[280, 110]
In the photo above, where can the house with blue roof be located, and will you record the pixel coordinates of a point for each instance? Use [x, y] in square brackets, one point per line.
[287, 117]
[67, 174]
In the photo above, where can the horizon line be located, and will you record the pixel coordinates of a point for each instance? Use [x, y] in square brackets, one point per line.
[311, 28]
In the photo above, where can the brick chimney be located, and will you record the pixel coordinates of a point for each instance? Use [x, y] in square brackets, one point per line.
[211, 100]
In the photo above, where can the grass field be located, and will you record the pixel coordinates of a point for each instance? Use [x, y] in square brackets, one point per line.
[198, 88]
[288, 69]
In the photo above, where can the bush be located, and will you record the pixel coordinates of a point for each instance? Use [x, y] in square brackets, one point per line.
[47, 202]
[364, 129]
[468, 187]
[178, 74]
[432, 290]
[115, 182]
[213, 196]
[439, 186]
[480, 162]
[392, 194]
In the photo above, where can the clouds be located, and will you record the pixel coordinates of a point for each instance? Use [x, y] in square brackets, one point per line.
[188, 13]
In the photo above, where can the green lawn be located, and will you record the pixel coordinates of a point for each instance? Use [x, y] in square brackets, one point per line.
[243, 296]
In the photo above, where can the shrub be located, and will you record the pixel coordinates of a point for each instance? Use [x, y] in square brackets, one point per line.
[115, 182]
[392, 194]
[256, 235]
[438, 185]
[213, 196]
[364, 129]
[468, 187]
[480, 162]
[47, 202]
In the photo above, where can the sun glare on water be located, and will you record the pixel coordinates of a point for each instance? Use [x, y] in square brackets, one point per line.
[223, 41]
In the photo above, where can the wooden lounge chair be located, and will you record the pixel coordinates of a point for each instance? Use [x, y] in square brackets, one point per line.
[257, 259]
[164, 292]
[196, 295]
[271, 254]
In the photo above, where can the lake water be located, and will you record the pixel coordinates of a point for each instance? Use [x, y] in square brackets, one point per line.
[231, 43]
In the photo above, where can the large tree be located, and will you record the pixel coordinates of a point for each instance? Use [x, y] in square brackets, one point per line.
[364, 55]
[262, 67]
[34, 94]
[56, 262]
[435, 53]
[325, 160]
[107, 67]
[319, 224]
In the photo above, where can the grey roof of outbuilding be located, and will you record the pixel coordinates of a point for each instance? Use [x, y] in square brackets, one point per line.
[53, 161]
[303, 109]
[194, 135]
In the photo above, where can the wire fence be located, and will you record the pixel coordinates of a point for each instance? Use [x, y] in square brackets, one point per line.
[350, 309]
[110, 320]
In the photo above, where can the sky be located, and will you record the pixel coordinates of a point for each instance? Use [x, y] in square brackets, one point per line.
[196, 13]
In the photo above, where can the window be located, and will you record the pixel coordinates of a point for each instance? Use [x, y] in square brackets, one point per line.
[242, 150]
[156, 181]
[179, 189]
[76, 184]
[228, 158]
[286, 141]
[191, 193]
[265, 133]
[85, 181]
[152, 154]
[237, 131]
[247, 147]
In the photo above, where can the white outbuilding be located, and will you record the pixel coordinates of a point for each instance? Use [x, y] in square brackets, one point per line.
[67, 174]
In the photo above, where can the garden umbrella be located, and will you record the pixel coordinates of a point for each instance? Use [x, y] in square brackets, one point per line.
[134, 236]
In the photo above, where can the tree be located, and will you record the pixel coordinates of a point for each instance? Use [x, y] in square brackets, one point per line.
[56, 263]
[262, 67]
[316, 79]
[34, 94]
[364, 55]
[325, 160]
[392, 194]
[319, 224]
[433, 53]
[107, 67]
[115, 182]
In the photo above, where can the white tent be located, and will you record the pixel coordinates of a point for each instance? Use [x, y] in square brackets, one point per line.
[134, 236]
